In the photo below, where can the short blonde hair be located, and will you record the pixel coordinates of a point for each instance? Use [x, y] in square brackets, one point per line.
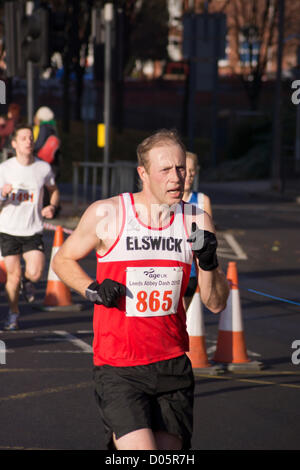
[194, 158]
[162, 136]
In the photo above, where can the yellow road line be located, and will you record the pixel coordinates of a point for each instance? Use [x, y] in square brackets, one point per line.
[210, 376]
[289, 385]
[46, 391]
[253, 380]
[78, 386]
[223, 376]
[268, 372]
[264, 382]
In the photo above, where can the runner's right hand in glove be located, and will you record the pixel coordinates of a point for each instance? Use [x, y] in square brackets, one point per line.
[107, 293]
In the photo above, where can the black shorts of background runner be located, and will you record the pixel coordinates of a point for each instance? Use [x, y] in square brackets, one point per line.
[158, 396]
[191, 288]
[15, 245]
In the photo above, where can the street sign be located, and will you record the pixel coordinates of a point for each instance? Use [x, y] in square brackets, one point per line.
[204, 43]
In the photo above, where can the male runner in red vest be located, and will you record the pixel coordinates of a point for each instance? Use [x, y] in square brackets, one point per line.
[144, 245]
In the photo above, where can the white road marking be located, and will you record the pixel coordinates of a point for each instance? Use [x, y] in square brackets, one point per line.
[235, 252]
[63, 352]
[63, 337]
[76, 341]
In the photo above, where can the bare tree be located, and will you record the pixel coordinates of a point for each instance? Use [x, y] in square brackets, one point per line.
[252, 33]
[252, 37]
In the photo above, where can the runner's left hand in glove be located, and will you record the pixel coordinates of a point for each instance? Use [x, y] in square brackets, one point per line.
[204, 246]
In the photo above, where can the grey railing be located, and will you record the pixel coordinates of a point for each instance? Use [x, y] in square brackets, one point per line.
[122, 178]
[6, 153]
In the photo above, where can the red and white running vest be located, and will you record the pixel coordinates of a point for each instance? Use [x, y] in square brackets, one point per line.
[154, 264]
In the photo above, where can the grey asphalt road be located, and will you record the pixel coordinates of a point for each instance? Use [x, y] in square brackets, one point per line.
[46, 394]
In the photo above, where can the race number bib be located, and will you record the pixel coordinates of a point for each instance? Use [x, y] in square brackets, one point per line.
[22, 194]
[152, 291]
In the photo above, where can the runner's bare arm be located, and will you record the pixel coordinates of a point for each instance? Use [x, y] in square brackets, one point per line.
[78, 245]
[207, 205]
[212, 283]
[214, 289]
[54, 195]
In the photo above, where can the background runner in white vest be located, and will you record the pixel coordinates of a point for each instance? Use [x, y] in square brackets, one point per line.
[22, 181]
[149, 405]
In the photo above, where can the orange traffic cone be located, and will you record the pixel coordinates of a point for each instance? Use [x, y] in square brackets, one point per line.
[58, 295]
[2, 270]
[231, 346]
[196, 331]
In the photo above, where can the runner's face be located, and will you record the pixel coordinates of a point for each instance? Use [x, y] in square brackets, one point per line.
[23, 143]
[190, 174]
[166, 174]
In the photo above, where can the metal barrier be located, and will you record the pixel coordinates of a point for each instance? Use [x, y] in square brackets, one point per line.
[122, 177]
[5, 154]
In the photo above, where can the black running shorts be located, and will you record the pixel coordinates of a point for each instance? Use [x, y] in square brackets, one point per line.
[15, 245]
[158, 396]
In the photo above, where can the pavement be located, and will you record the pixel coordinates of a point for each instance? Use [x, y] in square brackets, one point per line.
[259, 190]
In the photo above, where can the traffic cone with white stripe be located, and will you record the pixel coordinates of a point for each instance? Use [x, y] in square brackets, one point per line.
[58, 295]
[231, 347]
[196, 331]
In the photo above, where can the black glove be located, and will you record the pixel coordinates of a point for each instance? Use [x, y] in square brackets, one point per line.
[107, 293]
[204, 246]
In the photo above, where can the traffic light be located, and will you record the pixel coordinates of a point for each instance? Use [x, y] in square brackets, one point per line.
[26, 37]
[33, 39]
[10, 38]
